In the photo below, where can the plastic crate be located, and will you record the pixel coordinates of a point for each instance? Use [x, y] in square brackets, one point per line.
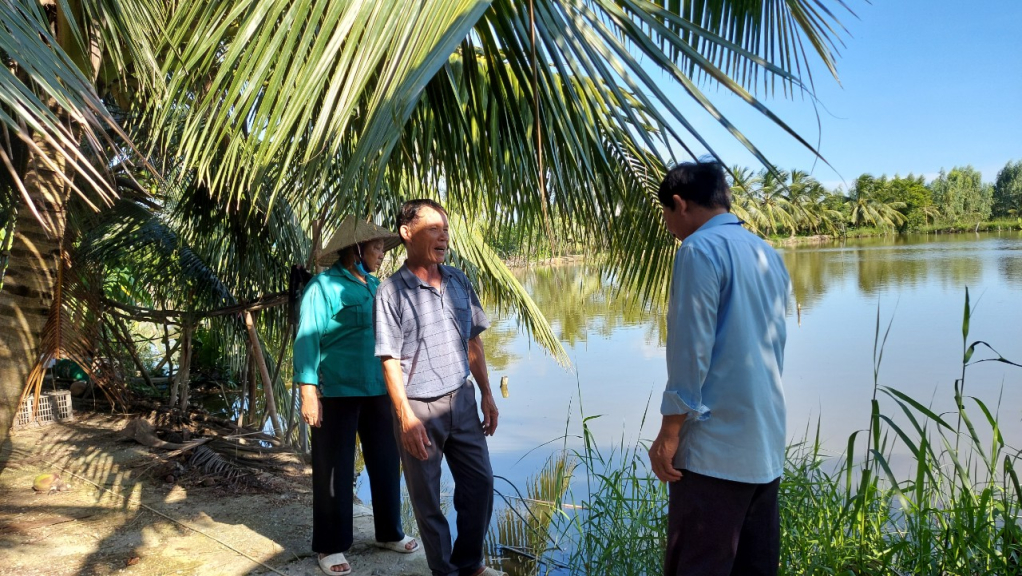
[54, 406]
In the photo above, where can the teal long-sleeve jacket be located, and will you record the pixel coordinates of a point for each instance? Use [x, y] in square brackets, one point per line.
[335, 345]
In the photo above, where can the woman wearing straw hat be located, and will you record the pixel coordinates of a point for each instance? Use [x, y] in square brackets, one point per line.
[343, 392]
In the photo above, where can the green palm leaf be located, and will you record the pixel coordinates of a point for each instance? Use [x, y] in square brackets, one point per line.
[273, 114]
[49, 104]
[471, 249]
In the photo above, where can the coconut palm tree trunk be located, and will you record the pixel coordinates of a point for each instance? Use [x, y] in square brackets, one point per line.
[30, 278]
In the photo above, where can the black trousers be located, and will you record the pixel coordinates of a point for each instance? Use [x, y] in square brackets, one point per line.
[722, 528]
[333, 471]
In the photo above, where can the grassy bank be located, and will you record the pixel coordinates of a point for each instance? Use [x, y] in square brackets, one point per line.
[954, 509]
[1002, 225]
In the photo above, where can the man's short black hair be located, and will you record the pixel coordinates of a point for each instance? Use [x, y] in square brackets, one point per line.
[700, 182]
[410, 210]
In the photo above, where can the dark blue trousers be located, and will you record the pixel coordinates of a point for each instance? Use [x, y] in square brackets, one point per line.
[719, 527]
[333, 471]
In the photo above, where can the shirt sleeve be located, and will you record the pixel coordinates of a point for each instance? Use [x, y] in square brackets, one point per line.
[310, 328]
[387, 324]
[480, 321]
[691, 327]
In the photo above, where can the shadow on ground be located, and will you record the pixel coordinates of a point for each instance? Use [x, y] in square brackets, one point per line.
[121, 518]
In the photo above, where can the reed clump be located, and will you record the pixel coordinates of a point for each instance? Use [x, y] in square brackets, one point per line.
[954, 509]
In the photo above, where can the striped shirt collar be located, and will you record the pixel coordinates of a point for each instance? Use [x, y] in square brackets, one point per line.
[412, 281]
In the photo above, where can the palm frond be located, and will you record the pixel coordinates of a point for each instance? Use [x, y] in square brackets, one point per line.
[505, 290]
[262, 77]
[510, 116]
[49, 105]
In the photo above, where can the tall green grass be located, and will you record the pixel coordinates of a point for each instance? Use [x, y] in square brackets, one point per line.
[620, 525]
[522, 541]
[954, 509]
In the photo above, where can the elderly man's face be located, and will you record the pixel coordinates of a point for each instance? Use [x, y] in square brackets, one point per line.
[675, 219]
[426, 237]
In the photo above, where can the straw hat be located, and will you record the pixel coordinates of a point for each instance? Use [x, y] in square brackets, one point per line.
[353, 231]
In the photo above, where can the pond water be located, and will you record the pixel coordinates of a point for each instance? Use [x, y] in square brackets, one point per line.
[916, 284]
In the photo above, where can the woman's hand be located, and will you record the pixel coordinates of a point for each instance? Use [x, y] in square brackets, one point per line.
[312, 407]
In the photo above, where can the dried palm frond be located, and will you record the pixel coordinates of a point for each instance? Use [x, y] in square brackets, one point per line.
[72, 330]
[212, 462]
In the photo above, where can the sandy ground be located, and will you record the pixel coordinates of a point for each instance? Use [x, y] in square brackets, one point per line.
[122, 517]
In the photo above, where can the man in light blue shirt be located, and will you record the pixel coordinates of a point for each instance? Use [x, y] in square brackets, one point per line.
[722, 440]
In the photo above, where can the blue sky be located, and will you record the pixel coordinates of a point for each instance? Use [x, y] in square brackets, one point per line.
[925, 85]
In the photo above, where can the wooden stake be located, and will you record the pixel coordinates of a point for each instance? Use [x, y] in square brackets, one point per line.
[184, 369]
[170, 364]
[257, 349]
[243, 380]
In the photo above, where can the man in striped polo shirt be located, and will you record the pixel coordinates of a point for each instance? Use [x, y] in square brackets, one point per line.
[428, 323]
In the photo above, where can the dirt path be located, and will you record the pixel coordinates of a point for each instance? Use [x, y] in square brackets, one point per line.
[122, 517]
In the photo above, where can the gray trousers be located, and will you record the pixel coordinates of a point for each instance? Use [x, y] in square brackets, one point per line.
[455, 432]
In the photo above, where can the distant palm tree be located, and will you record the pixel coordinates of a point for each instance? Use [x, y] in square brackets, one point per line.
[805, 197]
[774, 208]
[744, 191]
[866, 209]
[929, 212]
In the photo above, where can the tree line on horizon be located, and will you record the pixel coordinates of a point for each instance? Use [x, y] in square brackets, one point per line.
[780, 203]
[793, 203]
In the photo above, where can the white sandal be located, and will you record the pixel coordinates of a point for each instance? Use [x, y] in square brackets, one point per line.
[401, 546]
[326, 564]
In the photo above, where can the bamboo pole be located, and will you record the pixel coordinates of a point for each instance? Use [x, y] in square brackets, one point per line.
[184, 372]
[252, 391]
[243, 380]
[257, 350]
[165, 315]
[163, 361]
[291, 411]
[172, 399]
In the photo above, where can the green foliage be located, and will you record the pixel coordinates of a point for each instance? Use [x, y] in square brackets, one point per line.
[961, 195]
[778, 202]
[8, 214]
[1008, 190]
[867, 205]
[209, 349]
[523, 532]
[913, 193]
[621, 523]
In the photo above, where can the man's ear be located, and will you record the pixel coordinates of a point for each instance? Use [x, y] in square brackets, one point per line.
[405, 232]
[679, 204]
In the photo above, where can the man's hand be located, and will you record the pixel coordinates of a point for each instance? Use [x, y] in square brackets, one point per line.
[413, 435]
[477, 365]
[312, 407]
[661, 453]
[661, 457]
[490, 414]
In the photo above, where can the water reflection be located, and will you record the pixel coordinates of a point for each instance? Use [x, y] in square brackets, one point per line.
[880, 265]
[1010, 264]
[499, 351]
[916, 284]
[581, 302]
